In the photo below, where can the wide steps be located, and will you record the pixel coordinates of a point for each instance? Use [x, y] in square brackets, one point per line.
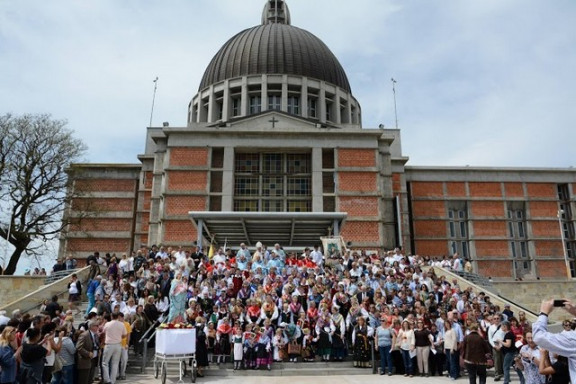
[277, 369]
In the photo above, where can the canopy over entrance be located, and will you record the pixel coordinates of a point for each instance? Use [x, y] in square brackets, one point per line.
[290, 229]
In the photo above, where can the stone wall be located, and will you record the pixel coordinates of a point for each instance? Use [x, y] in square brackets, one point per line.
[31, 299]
[531, 293]
[14, 287]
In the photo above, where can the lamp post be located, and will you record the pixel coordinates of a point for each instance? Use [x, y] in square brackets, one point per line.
[568, 271]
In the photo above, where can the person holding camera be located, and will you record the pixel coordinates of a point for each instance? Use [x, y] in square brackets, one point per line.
[559, 343]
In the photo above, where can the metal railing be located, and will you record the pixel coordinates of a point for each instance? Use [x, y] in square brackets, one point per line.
[55, 276]
[145, 341]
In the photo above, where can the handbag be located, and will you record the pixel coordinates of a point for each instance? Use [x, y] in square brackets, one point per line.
[58, 363]
[294, 348]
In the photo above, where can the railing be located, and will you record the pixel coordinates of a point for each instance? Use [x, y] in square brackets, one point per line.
[476, 279]
[55, 276]
[145, 340]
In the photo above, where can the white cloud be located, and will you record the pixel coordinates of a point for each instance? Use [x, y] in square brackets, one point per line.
[474, 78]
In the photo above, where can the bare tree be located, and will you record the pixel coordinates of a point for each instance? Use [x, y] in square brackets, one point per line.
[35, 151]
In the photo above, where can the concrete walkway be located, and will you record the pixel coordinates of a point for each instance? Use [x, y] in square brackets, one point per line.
[261, 379]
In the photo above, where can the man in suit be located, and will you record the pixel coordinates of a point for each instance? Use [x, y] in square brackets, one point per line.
[87, 349]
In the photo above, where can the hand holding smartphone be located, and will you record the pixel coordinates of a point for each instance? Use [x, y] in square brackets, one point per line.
[559, 303]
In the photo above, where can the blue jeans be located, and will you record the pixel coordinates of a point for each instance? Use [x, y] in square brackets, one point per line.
[452, 363]
[91, 302]
[385, 358]
[408, 370]
[507, 360]
[65, 376]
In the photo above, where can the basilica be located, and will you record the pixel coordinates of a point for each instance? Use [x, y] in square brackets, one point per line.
[274, 151]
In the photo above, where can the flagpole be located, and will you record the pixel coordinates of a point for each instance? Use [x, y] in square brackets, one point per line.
[153, 99]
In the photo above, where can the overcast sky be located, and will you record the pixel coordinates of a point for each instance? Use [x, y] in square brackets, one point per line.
[480, 83]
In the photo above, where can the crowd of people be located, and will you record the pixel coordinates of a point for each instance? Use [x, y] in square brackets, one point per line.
[261, 306]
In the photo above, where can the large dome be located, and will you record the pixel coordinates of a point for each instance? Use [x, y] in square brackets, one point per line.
[275, 48]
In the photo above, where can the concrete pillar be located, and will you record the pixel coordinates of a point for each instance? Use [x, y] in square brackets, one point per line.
[212, 107]
[264, 93]
[321, 107]
[228, 180]
[304, 98]
[226, 102]
[284, 99]
[317, 187]
[244, 97]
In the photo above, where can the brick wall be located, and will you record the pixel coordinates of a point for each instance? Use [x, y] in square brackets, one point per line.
[102, 225]
[433, 208]
[485, 189]
[551, 268]
[427, 189]
[543, 209]
[514, 189]
[487, 209]
[187, 181]
[100, 244]
[182, 156]
[181, 205]
[487, 248]
[105, 185]
[352, 157]
[359, 206]
[490, 228]
[456, 189]
[364, 231]
[179, 231]
[495, 268]
[542, 190]
[432, 247]
[357, 181]
[430, 228]
[103, 205]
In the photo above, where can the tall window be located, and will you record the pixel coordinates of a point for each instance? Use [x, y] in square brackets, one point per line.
[255, 104]
[273, 182]
[274, 102]
[312, 108]
[458, 229]
[236, 106]
[516, 217]
[294, 105]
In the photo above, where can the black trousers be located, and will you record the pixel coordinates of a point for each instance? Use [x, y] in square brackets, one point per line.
[475, 370]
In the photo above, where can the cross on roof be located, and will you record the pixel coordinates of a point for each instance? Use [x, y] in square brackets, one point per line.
[273, 121]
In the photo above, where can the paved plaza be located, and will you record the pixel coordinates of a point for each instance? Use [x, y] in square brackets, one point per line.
[265, 378]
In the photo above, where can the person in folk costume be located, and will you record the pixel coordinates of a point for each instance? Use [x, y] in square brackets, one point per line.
[250, 339]
[312, 314]
[341, 301]
[325, 329]
[244, 292]
[338, 338]
[223, 333]
[264, 349]
[269, 311]
[352, 318]
[238, 347]
[201, 346]
[308, 353]
[285, 315]
[278, 344]
[302, 321]
[292, 334]
[295, 309]
[253, 311]
[212, 347]
[361, 341]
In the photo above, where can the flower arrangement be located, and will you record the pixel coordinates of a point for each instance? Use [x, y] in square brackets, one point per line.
[175, 326]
